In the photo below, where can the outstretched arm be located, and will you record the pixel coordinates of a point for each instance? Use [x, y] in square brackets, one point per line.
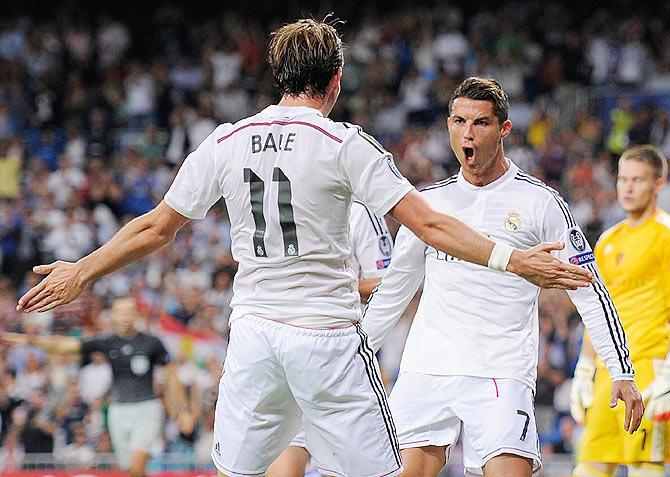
[65, 280]
[452, 236]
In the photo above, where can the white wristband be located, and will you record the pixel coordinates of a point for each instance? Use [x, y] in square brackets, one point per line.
[500, 256]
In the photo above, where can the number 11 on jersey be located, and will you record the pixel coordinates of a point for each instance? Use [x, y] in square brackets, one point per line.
[286, 222]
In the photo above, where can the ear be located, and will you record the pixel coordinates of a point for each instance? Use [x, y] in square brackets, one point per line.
[660, 184]
[335, 79]
[506, 128]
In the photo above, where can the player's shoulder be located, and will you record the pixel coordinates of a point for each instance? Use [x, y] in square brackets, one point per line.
[610, 233]
[225, 133]
[149, 337]
[440, 186]
[355, 134]
[530, 184]
[662, 218]
[100, 339]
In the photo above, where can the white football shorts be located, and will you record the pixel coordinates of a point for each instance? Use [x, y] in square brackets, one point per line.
[134, 427]
[494, 416]
[277, 376]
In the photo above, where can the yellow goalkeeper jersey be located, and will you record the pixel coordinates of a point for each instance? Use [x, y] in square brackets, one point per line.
[635, 265]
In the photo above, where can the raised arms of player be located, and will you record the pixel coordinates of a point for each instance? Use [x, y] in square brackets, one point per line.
[196, 182]
[138, 238]
[400, 283]
[455, 237]
[596, 309]
[378, 184]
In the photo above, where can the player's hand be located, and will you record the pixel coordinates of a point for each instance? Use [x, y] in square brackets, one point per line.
[628, 393]
[540, 268]
[657, 395]
[581, 392]
[62, 285]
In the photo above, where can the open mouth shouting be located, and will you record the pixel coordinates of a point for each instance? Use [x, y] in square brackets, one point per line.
[469, 154]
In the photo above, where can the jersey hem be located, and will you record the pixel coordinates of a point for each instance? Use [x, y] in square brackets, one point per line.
[319, 315]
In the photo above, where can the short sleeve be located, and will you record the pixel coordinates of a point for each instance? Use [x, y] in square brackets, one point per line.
[197, 185]
[369, 169]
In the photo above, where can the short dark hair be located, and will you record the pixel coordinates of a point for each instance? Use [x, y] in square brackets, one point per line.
[305, 55]
[483, 89]
[649, 154]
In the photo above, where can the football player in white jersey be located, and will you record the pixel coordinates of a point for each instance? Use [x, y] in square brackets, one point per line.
[469, 364]
[371, 249]
[296, 349]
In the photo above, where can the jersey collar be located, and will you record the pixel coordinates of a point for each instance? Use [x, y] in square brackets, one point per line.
[507, 176]
[276, 111]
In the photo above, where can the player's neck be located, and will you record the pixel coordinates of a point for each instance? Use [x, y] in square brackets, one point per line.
[493, 173]
[304, 101]
[639, 217]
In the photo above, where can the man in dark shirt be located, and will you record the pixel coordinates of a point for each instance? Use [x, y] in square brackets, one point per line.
[37, 431]
[136, 414]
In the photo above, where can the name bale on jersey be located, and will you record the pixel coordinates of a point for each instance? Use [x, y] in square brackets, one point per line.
[284, 142]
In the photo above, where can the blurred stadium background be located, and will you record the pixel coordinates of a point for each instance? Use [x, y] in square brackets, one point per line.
[100, 104]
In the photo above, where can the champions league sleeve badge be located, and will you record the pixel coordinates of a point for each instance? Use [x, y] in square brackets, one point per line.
[577, 240]
[385, 246]
[579, 243]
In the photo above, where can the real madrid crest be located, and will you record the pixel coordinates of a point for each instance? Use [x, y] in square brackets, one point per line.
[512, 222]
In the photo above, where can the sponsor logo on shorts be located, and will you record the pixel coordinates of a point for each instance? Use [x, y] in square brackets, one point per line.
[381, 264]
[217, 449]
[582, 258]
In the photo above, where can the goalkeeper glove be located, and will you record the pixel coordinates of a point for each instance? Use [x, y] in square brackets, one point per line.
[581, 393]
[657, 394]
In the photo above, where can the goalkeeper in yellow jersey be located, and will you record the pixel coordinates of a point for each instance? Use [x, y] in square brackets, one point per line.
[634, 260]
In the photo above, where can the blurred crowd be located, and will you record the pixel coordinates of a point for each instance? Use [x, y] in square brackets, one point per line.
[96, 117]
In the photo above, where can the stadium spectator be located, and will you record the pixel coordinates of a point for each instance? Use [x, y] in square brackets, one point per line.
[136, 415]
[78, 453]
[78, 80]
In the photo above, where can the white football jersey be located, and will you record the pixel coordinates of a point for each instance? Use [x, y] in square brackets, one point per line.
[287, 175]
[371, 242]
[476, 321]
